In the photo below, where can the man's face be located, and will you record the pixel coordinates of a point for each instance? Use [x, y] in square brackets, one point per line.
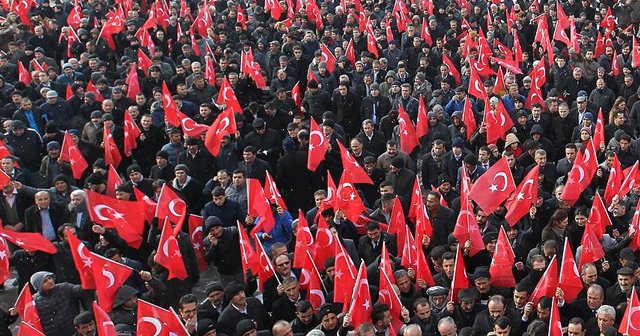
[625, 281]
[88, 329]
[292, 290]
[438, 149]
[188, 311]
[76, 199]
[541, 160]
[239, 300]
[404, 284]
[502, 331]
[543, 313]
[181, 175]
[496, 310]
[42, 200]
[483, 285]
[448, 265]
[574, 330]
[594, 299]
[329, 321]
[467, 306]
[283, 265]
[423, 312]
[374, 235]
[605, 320]
[356, 147]
[248, 156]
[519, 298]
[305, 317]
[392, 151]
[570, 154]
[624, 144]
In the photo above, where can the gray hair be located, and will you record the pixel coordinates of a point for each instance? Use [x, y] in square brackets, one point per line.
[412, 330]
[79, 193]
[446, 321]
[315, 332]
[606, 310]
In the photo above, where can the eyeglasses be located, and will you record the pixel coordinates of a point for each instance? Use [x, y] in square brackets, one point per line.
[283, 264]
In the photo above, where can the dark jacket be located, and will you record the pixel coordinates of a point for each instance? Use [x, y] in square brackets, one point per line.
[229, 212]
[369, 254]
[33, 222]
[230, 317]
[226, 255]
[57, 308]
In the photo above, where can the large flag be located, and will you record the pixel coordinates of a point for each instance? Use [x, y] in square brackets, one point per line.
[170, 206]
[29, 241]
[104, 325]
[361, 306]
[259, 207]
[227, 97]
[502, 262]
[168, 254]
[519, 203]
[82, 260]
[317, 150]
[225, 124]
[493, 187]
[548, 284]
[112, 213]
[109, 276]
[26, 308]
[630, 324]
[569, 280]
[70, 153]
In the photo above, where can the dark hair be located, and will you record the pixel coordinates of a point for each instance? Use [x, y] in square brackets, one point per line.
[371, 226]
[217, 191]
[186, 299]
[448, 256]
[378, 312]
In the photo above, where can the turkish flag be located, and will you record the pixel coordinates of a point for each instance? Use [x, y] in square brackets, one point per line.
[196, 236]
[351, 168]
[170, 108]
[508, 65]
[630, 324]
[631, 179]
[350, 53]
[266, 269]
[609, 21]
[525, 195]
[422, 123]
[372, 44]
[502, 262]
[92, 88]
[388, 296]
[112, 213]
[151, 319]
[615, 67]
[499, 87]
[348, 200]
[534, 97]
[242, 19]
[131, 134]
[614, 183]
[252, 69]
[168, 254]
[345, 275]
[482, 69]
[416, 200]
[331, 201]
[259, 207]
[410, 249]
[82, 259]
[74, 17]
[453, 71]
[210, 70]
[423, 272]
[68, 93]
[296, 94]
[306, 270]
[460, 279]
[26, 308]
[104, 325]
[112, 154]
[133, 84]
[170, 206]
[423, 224]
[317, 150]
[23, 74]
[361, 306]
[385, 263]
[425, 32]
[315, 293]
[144, 62]
[581, 173]
[493, 187]
[109, 276]
[147, 205]
[4, 178]
[304, 241]
[598, 217]
[324, 242]
[559, 34]
[555, 323]
[408, 138]
[272, 193]
[548, 284]
[468, 118]
[538, 75]
[328, 57]
[227, 97]
[476, 87]
[225, 124]
[388, 30]
[599, 47]
[26, 329]
[563, 19]
[397, 224]
[29, 241]
[113, 181]
[5, 272]
[591, 247]
[498, 123]
[250, 259]
[569, 280]
[634, 226]
[466, 226]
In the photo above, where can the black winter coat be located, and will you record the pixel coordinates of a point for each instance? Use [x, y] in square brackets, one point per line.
[57, 308]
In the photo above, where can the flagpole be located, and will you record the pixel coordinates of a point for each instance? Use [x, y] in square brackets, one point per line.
[536, 289]
[345, 255]
[455, 269]
[355, 287]
[275, 275]
[317, 272]
[564, 255]
[630, 306]
[392, 289]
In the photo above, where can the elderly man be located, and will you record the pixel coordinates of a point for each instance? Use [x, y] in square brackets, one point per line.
[447, 327]
[486, 319]
[605, 317]
[45, 216]
[582, 307]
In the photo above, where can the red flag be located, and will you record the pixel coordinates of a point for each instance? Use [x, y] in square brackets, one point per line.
[252, 69]
[317, 150]
[109, 276]
[409, 250]
[548, 284]
[350, 53]
[112, 213]
[331, 201]
[372, 44]
[388, 31]
[453, 71]
[466, 226]
[388, 296]
[144, 62]
[502, 262]
[635, 54]
[591, 247]
[508, 65]
[534, 97]
[498, 123]
[476, 87]
[26, 308]
[250, 259]
[425, 32]
[210, 70]
[4, 178]
[493, 187]
[598, 217]
[416, 200]
[538, 75]
[608, 21]
[460, 279]
[26, 329]
[631, 179]
[348, 200]
[168, 254]
[304, 241]
[170, 206]
[555, 324]
[68, 93]
[5, 272]
[600, 47]
[74, 17]
[560, 35]
[111, 152]
[634, 226]
[563, 19]
[598, 135]
[499, 87]
[615, 67]
[29, 241]
[131, 134]
[351, 167]
[385, 263]
[113, 181]
[408, 138]
[323, 243]
[242, 19]
[314, 288]
[197, 237]
[423, 273]
[328, 57]
[104, 325]
[170, 108]
[519, 203]
[296, 94]
[397, 224]
[422, 124]
[272, 193]
[266, 269]
[614, 183]
[569, 280]
[147, 205]
[227, 97]
[259, 206]
[581, 173]
[82, 259]
[225, 124]
[23, 74]
[468, 118]
[630, 324]
[361, 306]
[345, 275]
[133, 85]
[151, 319]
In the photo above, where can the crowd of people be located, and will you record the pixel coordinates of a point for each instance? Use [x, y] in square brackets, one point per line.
[565, 73]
